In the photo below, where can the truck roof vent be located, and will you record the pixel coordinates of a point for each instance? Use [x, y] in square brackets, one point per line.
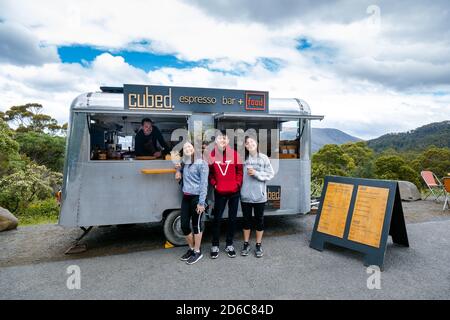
[112, 89]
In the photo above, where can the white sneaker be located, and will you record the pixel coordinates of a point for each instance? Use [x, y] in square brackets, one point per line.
[230, 251]
[214, 252]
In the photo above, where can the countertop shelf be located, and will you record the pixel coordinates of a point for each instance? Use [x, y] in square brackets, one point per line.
[157, 171]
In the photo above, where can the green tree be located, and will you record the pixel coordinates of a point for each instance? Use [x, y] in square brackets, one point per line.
[64, 128]
[29, 157]
[29, 117]
[389, 152]
[22, 187]
[421, 138]
[331, 160]
[434, 159]
[42, 148]
[21, 115]
[42, 122]
[362, 157]
[393, 167]
[9, 150]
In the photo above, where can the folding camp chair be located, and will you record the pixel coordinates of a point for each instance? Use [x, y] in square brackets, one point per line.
[433, 183]
[446, 182]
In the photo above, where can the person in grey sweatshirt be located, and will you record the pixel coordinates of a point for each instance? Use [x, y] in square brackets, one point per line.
[194, 171]
[257, 171]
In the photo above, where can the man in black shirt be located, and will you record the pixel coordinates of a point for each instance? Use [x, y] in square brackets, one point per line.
[145, 143]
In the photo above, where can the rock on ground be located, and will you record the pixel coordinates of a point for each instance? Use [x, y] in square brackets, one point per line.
[409, 191]
[7, 220]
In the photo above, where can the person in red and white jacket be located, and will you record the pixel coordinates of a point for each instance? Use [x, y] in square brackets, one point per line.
[225, 176]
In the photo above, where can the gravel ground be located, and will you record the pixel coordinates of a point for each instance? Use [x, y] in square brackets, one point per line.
[130, 263]
[41, 243]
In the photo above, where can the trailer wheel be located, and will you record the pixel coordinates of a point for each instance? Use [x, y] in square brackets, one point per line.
[172, 228]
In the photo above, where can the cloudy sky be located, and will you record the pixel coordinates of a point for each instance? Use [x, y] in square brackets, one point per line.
[370, 67]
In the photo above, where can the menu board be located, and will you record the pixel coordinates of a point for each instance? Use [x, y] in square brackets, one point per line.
[368, 215]
[360, 214]
[335, 209]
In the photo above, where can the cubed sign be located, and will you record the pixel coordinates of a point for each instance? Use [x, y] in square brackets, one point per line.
[164, 98]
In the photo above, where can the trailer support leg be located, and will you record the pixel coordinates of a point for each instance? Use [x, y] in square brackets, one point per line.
[77, 247]
[85, 232]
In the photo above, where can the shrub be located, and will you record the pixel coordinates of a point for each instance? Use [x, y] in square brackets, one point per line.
[22, 187]
[42, 148]
[392, 167]
[434, 159]
[39, 211]
[9, 150]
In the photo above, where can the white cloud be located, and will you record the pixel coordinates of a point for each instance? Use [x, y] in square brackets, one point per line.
[234, 32]
[365, 112]
[55, 85]
[20, 46]
[114, 71]
[366, 80]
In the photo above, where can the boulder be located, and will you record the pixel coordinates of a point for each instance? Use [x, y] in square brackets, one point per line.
[409, 191]
[7, 220]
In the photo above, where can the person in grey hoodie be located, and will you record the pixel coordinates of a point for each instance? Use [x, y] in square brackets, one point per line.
[257, 171]
[194, 172]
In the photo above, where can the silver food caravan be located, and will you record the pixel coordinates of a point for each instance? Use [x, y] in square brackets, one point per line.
[106, 184]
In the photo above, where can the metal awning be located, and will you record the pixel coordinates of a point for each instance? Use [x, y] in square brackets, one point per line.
[267, 116]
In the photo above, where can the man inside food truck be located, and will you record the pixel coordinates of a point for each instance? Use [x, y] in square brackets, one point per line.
[146, 140]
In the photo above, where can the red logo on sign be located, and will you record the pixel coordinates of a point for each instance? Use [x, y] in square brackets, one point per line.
[255, 101]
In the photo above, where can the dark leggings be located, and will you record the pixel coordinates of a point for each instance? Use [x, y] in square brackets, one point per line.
[188, 212]
[220, 201]
[247, 214]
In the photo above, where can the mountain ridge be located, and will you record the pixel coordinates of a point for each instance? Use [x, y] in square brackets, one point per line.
[323, 136]
[435, 133]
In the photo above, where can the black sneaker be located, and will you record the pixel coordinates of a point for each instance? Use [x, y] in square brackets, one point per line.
[230, 251]
[187, 255]
[194, 257]
[214, 252]
[258, 251]
[245, 249]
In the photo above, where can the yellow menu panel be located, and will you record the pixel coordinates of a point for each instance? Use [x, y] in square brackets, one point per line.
[335, 209]
[368, 215]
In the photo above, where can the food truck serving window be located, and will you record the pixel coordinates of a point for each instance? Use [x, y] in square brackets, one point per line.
[278, 136]
[126, 137]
